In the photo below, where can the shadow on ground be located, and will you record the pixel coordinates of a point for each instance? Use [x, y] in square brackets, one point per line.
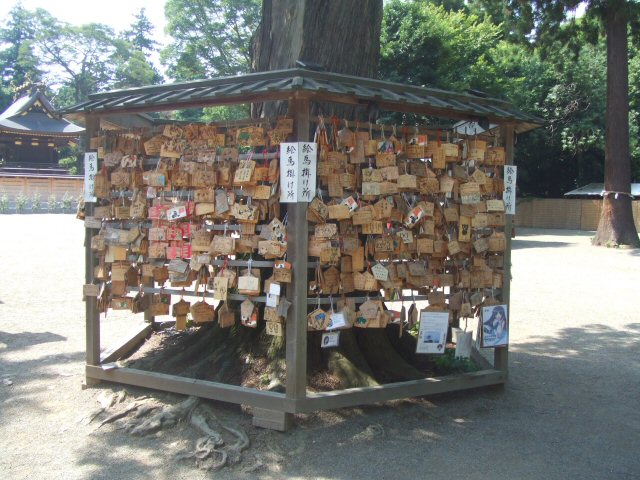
[570, 396]
[15, 341]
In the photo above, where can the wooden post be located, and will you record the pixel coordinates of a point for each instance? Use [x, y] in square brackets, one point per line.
[92, 314]
[296, 327]
[501, 355]
[296, 333]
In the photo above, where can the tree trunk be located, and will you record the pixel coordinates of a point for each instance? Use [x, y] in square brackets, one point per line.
[340, 36]
[616, 226]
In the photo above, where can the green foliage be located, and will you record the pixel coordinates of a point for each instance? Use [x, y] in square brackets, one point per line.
[18, 63]
[70, 163]
[52, 203]
[21, 202]
[132, 69]
[211, 38]
[4, 202]
[67, 201]
[36, 201]
[223, 112]
[449, 363]
[140, 33]
[426, 44]
[74, 60]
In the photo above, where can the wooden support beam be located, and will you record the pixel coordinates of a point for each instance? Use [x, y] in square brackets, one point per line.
[501, 355]
[125, 347]
[92, 123]
[191, 386]
[296, 327]
[393, 391]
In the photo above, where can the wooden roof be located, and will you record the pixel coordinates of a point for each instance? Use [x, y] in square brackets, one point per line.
[317, 86]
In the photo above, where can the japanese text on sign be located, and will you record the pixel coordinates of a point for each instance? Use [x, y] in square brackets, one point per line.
[509, 195]
[90, 170]
[298, 162]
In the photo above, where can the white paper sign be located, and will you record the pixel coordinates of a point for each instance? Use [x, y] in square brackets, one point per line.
[509, 195]
[298, 164]
[90, 170]
[330, 339]
[272, 300]
[176, 213]
[432, 335]
[336, 320]
[463, 344]
[274, 288]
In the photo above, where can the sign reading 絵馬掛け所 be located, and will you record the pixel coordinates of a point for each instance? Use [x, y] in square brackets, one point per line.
[509, 195]
[90, 170]
[298, 163]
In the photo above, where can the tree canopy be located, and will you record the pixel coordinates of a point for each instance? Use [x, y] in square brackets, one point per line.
[541, 55]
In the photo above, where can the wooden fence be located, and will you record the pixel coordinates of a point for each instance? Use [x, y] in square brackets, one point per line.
[563, 213]
[29, 186]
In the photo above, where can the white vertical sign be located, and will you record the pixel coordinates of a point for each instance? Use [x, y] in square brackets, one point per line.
[298, 166]
[90, 170]
[432, 333]
[509, 195]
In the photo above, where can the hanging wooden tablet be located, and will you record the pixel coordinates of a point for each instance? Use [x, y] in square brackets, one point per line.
[274, 328]
[373, 228]
[495, 206]
[121, 303]
[222, 245]
[497, 242]
[480, 220]
[248, 314]
[496, 219]
[365, 282]
[202, 312]
[282, 271]
[380, 272]
[470, 193]
[464, 229]
[160, 304]
[481, 245]
[226, 316]
[495, 156]
[249, 282]
[317, 320]
[415, 151]
[451, 214]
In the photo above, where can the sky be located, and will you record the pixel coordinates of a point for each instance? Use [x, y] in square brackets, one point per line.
[115, 13]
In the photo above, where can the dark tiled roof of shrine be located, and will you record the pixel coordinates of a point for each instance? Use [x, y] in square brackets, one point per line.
[33, 114]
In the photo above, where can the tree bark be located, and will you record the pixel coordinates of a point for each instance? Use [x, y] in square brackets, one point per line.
[340, 36]
[616, 226]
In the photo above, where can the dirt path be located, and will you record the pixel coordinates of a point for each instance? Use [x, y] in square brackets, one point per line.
[570, 409]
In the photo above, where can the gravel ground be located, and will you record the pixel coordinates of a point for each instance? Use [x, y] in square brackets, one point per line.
[569, 410]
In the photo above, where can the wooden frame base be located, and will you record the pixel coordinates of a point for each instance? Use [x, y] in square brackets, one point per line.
[274, 410]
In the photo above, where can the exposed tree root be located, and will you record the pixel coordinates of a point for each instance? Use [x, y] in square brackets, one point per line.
[349, 365]
[210, 452]
[119, 415]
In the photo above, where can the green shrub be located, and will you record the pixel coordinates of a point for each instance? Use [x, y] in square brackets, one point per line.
[21, 202]
[52, 203]
[67, 201]
[449, 363]
[71, 164]
[36, 202]
[4, 202]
